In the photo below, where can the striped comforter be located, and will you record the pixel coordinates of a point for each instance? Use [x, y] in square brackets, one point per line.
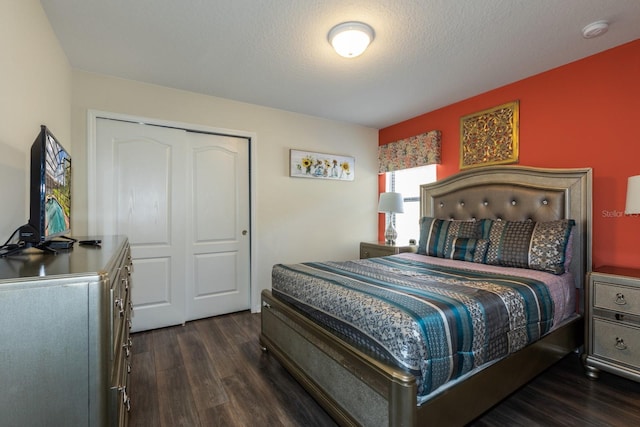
[437, 323]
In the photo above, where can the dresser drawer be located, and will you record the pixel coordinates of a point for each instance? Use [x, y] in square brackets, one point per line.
[617, 342]
[617, 298]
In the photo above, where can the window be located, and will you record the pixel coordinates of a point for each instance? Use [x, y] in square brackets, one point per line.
[407, 182]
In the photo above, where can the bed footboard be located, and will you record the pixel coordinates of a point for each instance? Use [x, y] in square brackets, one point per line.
[358, 390]
[354, 388]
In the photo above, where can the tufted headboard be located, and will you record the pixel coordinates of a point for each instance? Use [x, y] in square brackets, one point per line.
[518, 193]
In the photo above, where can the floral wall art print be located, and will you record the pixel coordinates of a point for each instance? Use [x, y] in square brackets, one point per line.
[307, 164]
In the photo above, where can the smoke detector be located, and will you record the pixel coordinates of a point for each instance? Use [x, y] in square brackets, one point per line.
[595, 29]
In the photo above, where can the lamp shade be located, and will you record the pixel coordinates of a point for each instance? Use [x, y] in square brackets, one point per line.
[350, 39]
[633, 195]
[391, 202]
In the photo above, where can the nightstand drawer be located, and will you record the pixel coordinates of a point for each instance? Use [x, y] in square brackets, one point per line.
[617, 298]
[373, 252]
[617, 342]
[377, 249]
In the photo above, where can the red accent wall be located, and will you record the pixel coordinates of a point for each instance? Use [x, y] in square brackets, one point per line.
[583, 114]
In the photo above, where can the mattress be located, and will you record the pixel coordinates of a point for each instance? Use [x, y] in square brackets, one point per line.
[437, 319]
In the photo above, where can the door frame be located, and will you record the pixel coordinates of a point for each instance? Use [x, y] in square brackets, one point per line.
[94, 115]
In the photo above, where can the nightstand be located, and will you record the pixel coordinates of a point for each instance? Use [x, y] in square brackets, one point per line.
[612, 337]
[376, 249]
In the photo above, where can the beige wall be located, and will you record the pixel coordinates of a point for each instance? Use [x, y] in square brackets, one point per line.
[35, 89]
[296, 219]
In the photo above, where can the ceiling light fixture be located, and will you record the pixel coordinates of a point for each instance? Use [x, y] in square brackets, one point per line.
[351, 39]
[595, 29]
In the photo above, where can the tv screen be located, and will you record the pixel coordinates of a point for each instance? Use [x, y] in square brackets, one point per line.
[50, 197]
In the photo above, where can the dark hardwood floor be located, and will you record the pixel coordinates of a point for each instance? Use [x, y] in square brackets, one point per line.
[212, 372]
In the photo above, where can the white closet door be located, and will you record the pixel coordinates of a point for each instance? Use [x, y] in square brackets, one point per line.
[140, 194]
[154, 185]
[218, 238]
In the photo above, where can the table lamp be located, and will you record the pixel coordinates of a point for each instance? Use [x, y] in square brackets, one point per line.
[633, 195]
[391, 203]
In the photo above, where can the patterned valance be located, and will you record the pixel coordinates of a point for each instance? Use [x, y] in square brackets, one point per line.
[419, 150]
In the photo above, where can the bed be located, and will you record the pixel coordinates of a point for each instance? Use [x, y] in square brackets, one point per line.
[373, 380]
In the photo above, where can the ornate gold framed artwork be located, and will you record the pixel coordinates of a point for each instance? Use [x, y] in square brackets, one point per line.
[490, 137]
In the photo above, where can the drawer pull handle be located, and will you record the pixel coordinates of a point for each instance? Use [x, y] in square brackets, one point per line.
[620, 345]
[619, 316]
[126, 401]
[620, 299]
[127, 347]
[119, 305]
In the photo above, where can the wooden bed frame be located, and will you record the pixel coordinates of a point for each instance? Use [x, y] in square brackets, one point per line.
[359, 390]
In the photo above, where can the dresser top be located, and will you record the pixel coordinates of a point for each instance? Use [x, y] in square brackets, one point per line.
[82, 259]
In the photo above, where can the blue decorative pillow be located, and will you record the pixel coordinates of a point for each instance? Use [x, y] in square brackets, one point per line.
[466, 249]
[527, 244]
[436, 235]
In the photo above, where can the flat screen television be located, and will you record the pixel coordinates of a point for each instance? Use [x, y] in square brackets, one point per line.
[50, 191]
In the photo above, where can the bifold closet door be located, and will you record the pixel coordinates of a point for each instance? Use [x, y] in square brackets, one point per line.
[218, 233]
[180, 198]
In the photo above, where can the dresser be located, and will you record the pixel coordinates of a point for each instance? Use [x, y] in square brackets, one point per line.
[613, 322]
[64, 336]
[376, 249]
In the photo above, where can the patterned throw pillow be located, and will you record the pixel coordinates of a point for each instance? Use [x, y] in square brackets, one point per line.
[436, 235]
[465, 249]
[508, 242]
[549, 246]
[527, 244]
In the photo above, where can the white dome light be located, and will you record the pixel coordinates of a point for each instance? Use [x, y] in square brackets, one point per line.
[350, 39]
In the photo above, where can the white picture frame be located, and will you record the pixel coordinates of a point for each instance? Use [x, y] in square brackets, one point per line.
[309, 164]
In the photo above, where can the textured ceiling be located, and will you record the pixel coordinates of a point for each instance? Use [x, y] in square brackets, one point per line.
[426, 53]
